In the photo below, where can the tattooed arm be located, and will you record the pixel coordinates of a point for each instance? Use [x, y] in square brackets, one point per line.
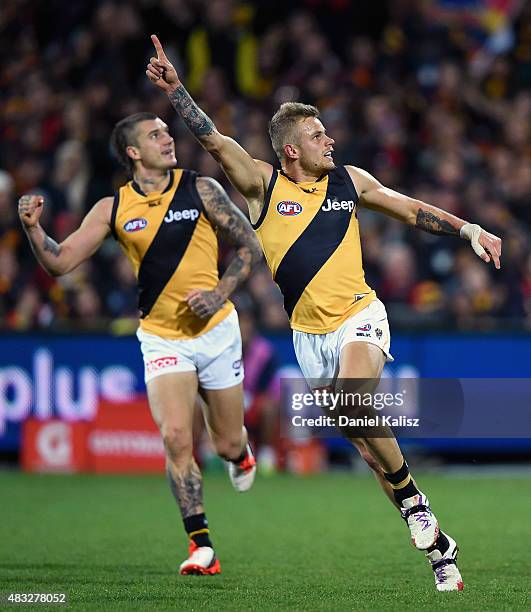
[234, 228]
[249, 176]
[58, 259]
[424, 216]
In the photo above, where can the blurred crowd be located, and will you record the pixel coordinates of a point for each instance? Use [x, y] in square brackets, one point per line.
[434, 101]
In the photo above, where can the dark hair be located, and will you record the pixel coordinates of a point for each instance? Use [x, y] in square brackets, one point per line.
[124, 135]
[284, 120]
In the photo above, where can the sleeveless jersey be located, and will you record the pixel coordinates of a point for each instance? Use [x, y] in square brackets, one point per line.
[173, 249]
[310, 236]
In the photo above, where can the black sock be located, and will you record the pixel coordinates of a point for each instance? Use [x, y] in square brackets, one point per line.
[241, 457]
[197, 529]
[441, 544]
[402, 483]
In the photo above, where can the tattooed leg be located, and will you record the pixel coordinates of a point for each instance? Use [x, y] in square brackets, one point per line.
[187, 488]
[172, 399]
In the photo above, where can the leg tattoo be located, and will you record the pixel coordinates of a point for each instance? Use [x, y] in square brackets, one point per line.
[187, 488]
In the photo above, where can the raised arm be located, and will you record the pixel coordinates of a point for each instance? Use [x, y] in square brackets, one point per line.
[424, 216]
[58, 259]
[249, 176]
[235, 229]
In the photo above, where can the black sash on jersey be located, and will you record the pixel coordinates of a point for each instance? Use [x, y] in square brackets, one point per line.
[314, 247]
[169, 244]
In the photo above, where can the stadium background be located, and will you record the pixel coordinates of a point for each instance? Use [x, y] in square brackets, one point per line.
[432, 97]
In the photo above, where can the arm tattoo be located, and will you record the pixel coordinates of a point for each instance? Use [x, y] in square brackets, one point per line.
[197, 121]
[187, 488]
[234, 227]
[238, 270]
[429, 222]
[51, 246]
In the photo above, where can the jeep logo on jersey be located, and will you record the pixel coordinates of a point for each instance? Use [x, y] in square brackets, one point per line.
[135, 225]
[330, 204]
[190, 214]
[288, 208]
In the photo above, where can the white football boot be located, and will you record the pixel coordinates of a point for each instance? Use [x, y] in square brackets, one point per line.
[242, 474]
[421, 521]
[447, 575]
[201, 562]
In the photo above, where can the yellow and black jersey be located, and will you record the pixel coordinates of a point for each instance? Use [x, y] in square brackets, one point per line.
[310, 236]
[173, 248]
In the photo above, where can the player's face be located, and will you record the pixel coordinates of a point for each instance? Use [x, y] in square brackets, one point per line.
[315, 147]
[155, 147]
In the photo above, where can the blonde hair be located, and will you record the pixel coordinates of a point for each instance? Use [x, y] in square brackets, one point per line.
[283, 122]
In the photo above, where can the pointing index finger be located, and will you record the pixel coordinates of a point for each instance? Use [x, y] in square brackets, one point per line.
[158, 48]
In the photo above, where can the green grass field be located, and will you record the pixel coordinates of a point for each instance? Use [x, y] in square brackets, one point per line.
[327, 542]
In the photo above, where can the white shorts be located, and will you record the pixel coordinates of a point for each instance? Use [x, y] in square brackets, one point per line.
[216, 356]
[318, 354]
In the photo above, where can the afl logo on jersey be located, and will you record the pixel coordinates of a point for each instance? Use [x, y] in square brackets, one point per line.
[135, 225]
[289, 208]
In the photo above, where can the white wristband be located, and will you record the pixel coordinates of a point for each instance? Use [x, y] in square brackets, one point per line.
[472, 232]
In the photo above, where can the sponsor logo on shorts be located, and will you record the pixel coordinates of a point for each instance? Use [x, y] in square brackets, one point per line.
[289, 208]
[363, 335]
[364, 328]
[379, 333]
[190, 214]
[159, 364]
[135, 225]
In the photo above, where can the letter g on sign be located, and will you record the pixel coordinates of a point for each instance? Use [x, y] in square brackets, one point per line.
[54, 444]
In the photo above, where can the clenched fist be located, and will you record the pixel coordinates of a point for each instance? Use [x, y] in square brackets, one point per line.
[205, 303]
[30, 209]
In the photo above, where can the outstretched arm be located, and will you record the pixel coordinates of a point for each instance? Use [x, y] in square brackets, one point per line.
[424, 216]
[234, 228]
[249, 176]
[58, 259]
